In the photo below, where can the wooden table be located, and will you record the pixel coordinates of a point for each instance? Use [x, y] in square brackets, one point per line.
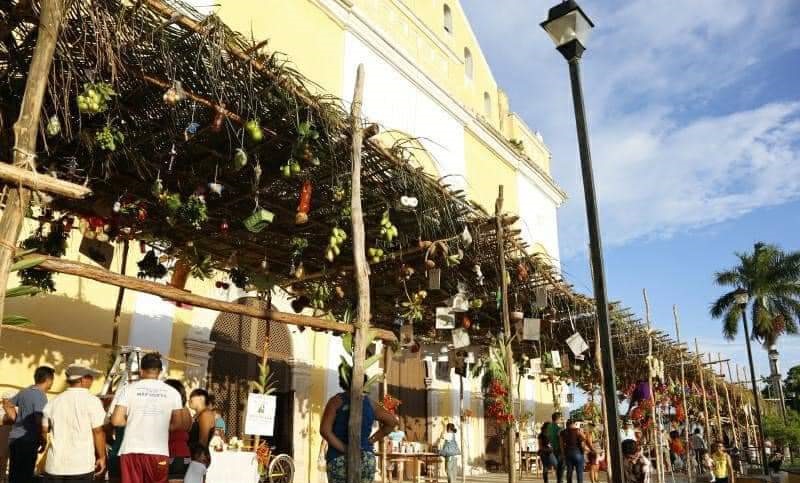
[415, 459]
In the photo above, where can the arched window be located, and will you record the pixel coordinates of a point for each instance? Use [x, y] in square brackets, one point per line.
[448, 19]
[467, 63]
[487, 104]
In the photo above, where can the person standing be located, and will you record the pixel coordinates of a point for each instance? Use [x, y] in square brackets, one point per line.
[573, 444]
[24, 412]
[698, 445]
[77, 450]
[334, 430]
[722, 465]
[179, 453]
[149, 409]
[546, 451]
[204, 424]
[450, 451]
[554, 433]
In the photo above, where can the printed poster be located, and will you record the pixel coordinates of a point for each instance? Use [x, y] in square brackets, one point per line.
[260, 418]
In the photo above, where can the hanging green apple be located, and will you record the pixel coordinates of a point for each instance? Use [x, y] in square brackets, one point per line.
[388, 230]
[338, 236]
[53, 126]
[253, 128]
[94, 98]
[239, 159]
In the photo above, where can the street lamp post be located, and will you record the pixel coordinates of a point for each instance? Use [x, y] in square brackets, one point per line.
[741, 298]
[569, 28]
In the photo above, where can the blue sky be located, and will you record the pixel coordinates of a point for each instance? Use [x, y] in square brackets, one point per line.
[694, 118]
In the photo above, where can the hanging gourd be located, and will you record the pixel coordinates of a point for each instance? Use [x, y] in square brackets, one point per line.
[338, 236]
[94, 98]
[53, 126]
[388, 229]
[304, 206]
[174, 94]
[239, 159]
[253, 129]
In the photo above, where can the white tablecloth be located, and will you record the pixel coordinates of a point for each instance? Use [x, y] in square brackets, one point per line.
[232, 467]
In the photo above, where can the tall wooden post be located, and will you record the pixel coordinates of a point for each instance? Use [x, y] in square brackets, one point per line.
[387, 359]
[707, 435]
[731, 412]
[656, 439]
[501, 255]
[746, 413]
[361, 324]
[120, 296]
[683, 391]
[728, 401]
[26, 131]
[716, 402]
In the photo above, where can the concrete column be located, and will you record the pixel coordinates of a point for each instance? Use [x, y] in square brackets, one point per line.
[198, 351]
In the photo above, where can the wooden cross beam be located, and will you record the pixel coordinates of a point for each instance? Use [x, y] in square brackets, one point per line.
[34, 181]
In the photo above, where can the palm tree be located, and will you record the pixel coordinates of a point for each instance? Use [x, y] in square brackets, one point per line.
[771, 278]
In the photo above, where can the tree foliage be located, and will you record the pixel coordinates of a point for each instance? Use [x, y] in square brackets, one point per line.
[783, 434]
[772, 280]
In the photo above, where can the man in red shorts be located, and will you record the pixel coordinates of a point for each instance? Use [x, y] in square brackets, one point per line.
[149, 409]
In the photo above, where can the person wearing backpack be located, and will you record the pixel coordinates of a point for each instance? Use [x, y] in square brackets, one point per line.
[450, 451]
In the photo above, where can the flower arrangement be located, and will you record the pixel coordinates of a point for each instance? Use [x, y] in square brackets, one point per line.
[497, 406]
[235, 444]
[262, 457]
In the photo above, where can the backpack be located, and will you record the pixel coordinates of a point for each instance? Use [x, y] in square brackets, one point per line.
[449, 448]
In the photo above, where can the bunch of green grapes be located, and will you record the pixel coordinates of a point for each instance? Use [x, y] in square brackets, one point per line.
[95, 97]
[109, 138]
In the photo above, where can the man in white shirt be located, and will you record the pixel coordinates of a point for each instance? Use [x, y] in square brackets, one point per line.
[75, 420]
[149, 409]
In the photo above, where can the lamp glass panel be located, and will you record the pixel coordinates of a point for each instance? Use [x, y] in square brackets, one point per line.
[568, 27]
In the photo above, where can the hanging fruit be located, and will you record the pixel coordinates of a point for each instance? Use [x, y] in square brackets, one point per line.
[388, 229]
[338, 236]
[53, 126]
[291, 168]
[224, 226]
[338, 193]
[239, 159]
[253, 129]
[141, 213]
[174, 94]
[375, 254]
[301, 218]
[94, 98]
[109, 138]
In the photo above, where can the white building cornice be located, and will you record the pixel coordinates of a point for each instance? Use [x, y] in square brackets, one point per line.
[355, 22]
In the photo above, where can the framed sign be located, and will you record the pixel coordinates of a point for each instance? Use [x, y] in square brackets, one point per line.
[260, 417]
[531, 329]
[445, 318]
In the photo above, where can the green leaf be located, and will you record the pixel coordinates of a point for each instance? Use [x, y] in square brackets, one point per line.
[372, 360]
[25, 253]
[16, 320]
[22, 291]
[26, 263]
[371, 381]
[347, 343]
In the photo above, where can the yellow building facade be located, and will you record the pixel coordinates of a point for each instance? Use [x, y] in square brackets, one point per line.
[426, 77]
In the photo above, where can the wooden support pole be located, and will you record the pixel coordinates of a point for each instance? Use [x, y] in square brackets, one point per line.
[264, 361]
[501, 255]
[730, 407]
[102, 275]
[26, 131]
[683, 392]
[34, 181]
[361, 325]
[747, 414]
[731, 412]
[120, 296]
[716, 405]
[707, 434]
[656, 438]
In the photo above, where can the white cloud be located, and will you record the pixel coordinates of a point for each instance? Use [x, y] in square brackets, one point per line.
[670, 153]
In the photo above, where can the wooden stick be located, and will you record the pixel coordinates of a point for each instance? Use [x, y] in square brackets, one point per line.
[42, 182]
[702, 388]
[656, 429]
[87, 343]
[264, 359]
[361, 326]
[102, 275]
[716, 406]
[120, 296]
[683, 392]
[501, 256]
[26, 130]
[387, 359]
[730, 407]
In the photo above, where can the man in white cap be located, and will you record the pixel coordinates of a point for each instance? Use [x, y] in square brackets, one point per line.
[75, 420]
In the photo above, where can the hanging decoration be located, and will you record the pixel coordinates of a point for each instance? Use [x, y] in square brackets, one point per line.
[338, 236]
[459, 302]
[239, 159]
[445, 318]
[291, 168]
[253, 129]
[174, 94]
[414, 308]
[151, 267]
[375, 254]
[531, 329]
[53, 126]
[304, 205]
[577, 344]
[95, 97]
[407, 203]
[258, 220]
[460, 338]
[388, 229]
[109, 138]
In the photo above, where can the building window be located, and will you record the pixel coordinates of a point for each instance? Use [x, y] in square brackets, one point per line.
[467, 64]
[448, 19]
[487, 104]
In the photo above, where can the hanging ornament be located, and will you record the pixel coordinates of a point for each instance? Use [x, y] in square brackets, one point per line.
[53, 126]
[478, 273]
[264, 264]
[117, 207]
[388, 230]
[375, 254]
[291, 168]
[219, 119]
[258, 220]
[304, 206]
[338, 236]
[407, 203]
[174, 94]
[141, 213]
[172, 154]
[338, 193]
[239, 159]
[191, 130]
[253, 129]
[224, 226]
[215, 188]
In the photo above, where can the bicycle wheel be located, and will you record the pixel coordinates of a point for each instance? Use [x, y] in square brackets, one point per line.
[281, 469]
